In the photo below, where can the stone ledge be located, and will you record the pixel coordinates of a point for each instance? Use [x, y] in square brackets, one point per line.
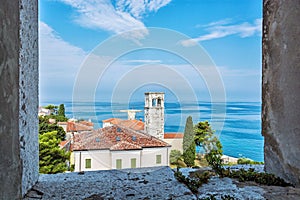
[150, 183]
[143, 183]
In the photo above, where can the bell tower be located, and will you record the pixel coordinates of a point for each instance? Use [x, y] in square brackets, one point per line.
[154, 114]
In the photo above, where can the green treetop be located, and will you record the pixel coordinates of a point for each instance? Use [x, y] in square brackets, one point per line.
[205, 138]
[189, 147]
[61, 110]
[52, 108]
[52, 159]
[45, 126]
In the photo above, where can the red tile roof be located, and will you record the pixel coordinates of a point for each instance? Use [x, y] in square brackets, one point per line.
[87, 123]
[115, 138]
[173, 135]
[134, 124]
[66, 144]
[63, 143]
[78, 127]
[112, 120]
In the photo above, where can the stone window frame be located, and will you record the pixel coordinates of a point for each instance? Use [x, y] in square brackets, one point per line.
[20, 43]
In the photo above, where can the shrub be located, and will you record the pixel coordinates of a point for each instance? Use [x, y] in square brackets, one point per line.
[247, 161]
[175, 156]
[192, 184]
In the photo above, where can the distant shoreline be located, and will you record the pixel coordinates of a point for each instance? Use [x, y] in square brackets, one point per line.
[229, 159]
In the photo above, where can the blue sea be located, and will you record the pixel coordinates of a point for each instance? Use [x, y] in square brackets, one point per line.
[240, 134]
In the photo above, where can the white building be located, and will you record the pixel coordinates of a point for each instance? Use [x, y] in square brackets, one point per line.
[118, 147]
[44, 111]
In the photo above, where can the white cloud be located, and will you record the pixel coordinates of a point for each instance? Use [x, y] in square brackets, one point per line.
[57, 54]
[216, 23]
[155, 5]
[222, 29]
[124, 15]
[59, 62]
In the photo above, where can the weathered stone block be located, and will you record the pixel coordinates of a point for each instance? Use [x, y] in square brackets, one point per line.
[18, 97]
[281, 86]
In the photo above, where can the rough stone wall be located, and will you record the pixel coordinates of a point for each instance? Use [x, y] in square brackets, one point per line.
[281, 88]
[18, 97]
[28, 103]
[10, 163]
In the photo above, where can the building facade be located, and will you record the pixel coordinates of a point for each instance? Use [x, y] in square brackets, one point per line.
[118, 147]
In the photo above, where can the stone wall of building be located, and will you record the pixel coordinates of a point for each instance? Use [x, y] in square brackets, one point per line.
[18, 97]
[28, 92]
[281, 88]
[154, 114]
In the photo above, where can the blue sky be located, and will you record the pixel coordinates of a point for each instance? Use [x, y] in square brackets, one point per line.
[228, 30]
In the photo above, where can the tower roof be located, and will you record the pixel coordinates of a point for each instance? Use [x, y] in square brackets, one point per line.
[154, 93]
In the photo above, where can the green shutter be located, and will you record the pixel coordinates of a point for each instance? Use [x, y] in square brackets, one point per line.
[119, 163]
[158, 159]
[133, 162]
[88, 163]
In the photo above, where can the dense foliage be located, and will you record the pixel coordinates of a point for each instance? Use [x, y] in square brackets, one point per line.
[251, 175]
[61, 110]
[52, 108]
[246, 161]
[57, 112]
[52, 159]
[45, 126]
[205, 138]
[175, 156]
[189, 146]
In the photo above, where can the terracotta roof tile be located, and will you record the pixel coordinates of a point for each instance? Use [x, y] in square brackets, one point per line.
[87, 123]
[63, 143]
[133, 124]
[173, 135]
[115, 138]
[112, 120]
[78, 127]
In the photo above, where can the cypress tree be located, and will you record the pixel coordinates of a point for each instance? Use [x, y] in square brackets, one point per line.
[61, 110]
[189, 146]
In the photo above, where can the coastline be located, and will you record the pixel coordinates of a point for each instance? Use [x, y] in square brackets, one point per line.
[229, 159]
